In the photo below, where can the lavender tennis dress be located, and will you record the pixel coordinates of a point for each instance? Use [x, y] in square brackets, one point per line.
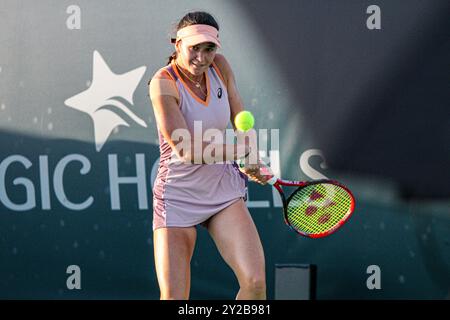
[185, 194]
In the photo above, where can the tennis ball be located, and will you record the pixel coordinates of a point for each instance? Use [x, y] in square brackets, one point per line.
[244, 121]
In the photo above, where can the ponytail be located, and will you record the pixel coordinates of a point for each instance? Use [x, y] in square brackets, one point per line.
[172, 57]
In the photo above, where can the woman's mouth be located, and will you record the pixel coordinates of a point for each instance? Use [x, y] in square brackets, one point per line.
[197, 66]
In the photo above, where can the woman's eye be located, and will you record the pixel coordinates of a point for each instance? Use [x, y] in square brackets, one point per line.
[209, 49]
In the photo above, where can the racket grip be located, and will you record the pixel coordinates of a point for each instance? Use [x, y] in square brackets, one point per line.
[272, 180]
[265, 170]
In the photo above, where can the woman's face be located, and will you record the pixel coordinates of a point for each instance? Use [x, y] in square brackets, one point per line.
[196, 59]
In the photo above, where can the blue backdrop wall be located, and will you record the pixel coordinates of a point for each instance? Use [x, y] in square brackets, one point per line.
[354, 90]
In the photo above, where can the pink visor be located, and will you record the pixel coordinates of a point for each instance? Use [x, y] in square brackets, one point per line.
[198, 33]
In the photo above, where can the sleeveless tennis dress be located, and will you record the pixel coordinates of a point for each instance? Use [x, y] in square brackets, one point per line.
[186, 194]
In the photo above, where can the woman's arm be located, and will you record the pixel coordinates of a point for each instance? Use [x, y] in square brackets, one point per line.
[236, 104]
[173, 126]
[253, 165]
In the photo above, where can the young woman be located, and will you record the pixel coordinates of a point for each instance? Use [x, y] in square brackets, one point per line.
[198, 85]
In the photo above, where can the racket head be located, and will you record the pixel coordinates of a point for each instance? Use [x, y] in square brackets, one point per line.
[316, 209]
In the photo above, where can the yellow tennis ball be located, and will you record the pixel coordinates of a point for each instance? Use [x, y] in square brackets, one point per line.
[244, 121]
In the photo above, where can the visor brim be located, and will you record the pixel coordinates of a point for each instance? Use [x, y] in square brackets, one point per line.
[200, 38]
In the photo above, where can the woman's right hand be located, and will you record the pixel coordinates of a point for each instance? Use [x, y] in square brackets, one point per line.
[259, 172]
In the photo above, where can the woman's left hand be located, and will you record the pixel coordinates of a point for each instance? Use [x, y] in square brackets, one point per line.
[259, 172]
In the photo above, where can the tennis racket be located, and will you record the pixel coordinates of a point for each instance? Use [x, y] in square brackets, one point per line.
[315, 209]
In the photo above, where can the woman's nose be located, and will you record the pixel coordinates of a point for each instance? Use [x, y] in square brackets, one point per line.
[201, 56]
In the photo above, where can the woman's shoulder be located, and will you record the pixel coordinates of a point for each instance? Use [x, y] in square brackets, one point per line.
[163, 84]
[162, 73]
[220, 60]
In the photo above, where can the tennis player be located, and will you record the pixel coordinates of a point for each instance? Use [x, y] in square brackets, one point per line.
[198, 85]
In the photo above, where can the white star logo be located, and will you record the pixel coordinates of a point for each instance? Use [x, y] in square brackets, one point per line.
[107, 90]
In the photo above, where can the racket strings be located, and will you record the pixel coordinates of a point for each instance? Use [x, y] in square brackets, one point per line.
[318, 208]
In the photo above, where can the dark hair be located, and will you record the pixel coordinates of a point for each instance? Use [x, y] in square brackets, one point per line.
[191, 18]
